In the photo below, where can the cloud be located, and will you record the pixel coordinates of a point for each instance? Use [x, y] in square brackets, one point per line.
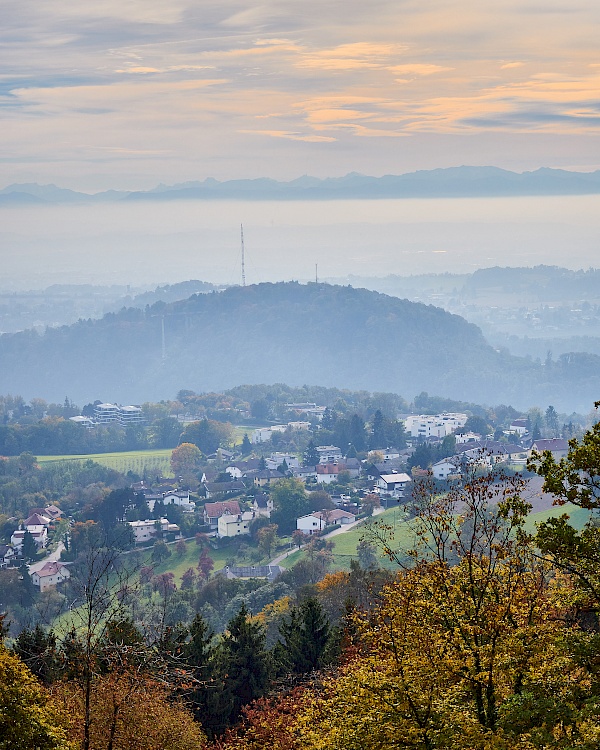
[292, 136]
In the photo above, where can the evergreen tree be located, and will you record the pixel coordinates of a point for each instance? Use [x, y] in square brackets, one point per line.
[311, 455]
[37, 649]
[378, 431]
[305, 638]
[246, 445]
[29, 548]
[243, 666]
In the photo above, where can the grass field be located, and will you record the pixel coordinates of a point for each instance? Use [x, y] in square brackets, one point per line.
[151, 461]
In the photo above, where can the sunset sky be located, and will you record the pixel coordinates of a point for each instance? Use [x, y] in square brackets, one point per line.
[128, 93]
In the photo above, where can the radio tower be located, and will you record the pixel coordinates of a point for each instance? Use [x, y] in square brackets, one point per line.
[243, 259]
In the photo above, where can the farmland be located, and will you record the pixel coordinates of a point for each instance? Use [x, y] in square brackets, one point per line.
[152, 462]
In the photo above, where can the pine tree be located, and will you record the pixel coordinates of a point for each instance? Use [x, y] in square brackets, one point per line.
[305, 638]
[29, 548]
[243, 665]
[246, 445]
[311, 455]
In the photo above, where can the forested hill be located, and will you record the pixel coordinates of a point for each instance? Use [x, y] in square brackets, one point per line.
[286, 332]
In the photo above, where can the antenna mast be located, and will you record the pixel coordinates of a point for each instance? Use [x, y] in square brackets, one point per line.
[243, 259]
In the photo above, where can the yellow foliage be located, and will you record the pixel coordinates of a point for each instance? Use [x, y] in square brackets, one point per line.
[130, 712]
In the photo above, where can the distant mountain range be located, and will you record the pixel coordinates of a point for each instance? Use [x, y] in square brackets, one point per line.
[436, 183]
[286, 332]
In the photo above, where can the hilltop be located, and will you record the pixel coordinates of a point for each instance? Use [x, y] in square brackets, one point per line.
[284, 332]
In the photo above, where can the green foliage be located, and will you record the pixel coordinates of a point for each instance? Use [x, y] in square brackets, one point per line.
[290, 501]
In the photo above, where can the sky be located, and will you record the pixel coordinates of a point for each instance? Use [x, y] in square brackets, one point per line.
[126, 94]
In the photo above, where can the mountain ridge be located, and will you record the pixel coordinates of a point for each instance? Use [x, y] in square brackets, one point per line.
[463, 181]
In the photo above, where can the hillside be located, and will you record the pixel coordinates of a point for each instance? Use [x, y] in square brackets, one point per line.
[285, 332]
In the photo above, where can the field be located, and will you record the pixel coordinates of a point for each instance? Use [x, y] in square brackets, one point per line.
[153, 462]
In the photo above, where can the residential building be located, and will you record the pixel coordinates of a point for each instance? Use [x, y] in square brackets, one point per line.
[212, 489]
[231, 525]
[329, 454]
[434, 425]
[393, 484]
[7, 555]
[213, 511]
[445, 468]
[50, 575]
[557, 446]
[106, 414]
[144, 531]
[39, 534]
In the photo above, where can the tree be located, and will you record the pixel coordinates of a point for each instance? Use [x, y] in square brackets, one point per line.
[305, 637]
[311, 455]
[37, 649]
[551, 419]
[243, 664]
[246, 445]
[208, 435]
[181, 547]
[29, 548]
[477, 424]
[205, 564]
[267, 537]
[378, 431]
[28, 719]
[290, 501]
[574, 479]
[366, 554]
[299, 538]
[186, 459]
[160, 552]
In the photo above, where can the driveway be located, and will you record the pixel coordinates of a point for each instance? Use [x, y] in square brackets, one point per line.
[52, 557]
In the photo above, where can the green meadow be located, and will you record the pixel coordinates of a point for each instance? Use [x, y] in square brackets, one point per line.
[156, 461]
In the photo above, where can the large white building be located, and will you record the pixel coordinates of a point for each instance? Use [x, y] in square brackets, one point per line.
[434, 425]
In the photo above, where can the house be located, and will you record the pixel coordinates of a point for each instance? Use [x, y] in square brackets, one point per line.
[393, 484]
[317, 521]
[53, 512]
[262, 505]
[50, 575]
[337, 517]
[144, 531]
[213, 511]
[129, 415]
[233, 525]
[276, 459]
[557, 446]
[352, 466]
[491, 452]
[305, 473]
[181, 499]
[329, 454]
[466, 437]
[7, 555]
[39, 534]
[83, 421]
[106, 413]
[310, 524]
[270, 572]
[35, 519]
[519, 426]
[223, 488]
[445, 468]
[262, 477]
[327, 473]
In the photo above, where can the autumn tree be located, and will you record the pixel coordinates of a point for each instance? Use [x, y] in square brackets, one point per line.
[205, 564]
[185, 459]
[267, 538]
[28, 717]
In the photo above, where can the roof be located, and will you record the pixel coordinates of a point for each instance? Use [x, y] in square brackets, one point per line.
[50, 569]
[329, 469]
[332, 515]
[215, 510]
[255, 571]
[37, 520]
[489, 446]
[552, 444]
[392, 478]
[216, 487]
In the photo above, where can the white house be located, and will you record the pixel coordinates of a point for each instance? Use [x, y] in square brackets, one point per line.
[329, 454]
[445, 468]
[276, 459]
[39, 534]
[144, 531]
[238, 524]
[327, 473]
[336, 517]
[310, 524]
[50, 575]
[394, 484]
[180, 498]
